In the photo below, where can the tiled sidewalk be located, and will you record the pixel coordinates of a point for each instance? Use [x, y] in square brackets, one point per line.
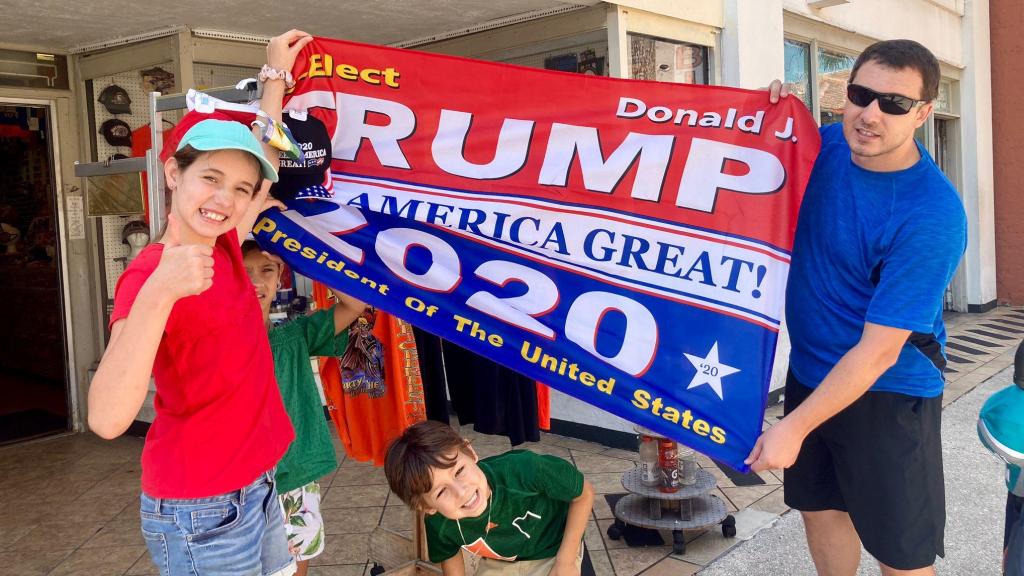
[70, 505]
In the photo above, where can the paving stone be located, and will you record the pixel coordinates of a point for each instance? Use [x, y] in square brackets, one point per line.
[589, 463]
[355, 496]
[143, 567]
[348, 549]
[593, 536]
[93, 561]
[602, 564]
[629, 561]
[773, 503]
[351, 520]
[55, 536]
[338, 570]
[707, 547]
[750, 521]
[37, 563]
[672, 567]
[743, 496]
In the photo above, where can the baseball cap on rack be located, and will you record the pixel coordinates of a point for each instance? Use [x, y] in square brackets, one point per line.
[312, 177]
[115, 99]
[116, 132]
[133, 227]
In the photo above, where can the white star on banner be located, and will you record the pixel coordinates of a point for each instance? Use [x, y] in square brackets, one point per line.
[709, 371]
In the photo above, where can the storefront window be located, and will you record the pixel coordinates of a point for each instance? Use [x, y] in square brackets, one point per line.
[833, 75]
[798, 70]
[944, 101]
[33, 70]
[665, 61]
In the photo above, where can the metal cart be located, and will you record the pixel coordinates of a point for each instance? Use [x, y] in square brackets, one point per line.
[648, 507]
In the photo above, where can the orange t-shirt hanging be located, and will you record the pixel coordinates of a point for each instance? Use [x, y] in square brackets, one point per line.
[368, 418]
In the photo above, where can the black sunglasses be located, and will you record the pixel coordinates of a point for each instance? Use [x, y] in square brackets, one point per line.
[889, 103]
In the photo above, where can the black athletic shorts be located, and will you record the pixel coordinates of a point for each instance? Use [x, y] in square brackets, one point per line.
[880, 460]
[1013, 535]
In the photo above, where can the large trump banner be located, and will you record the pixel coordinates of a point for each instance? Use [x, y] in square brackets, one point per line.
[624, 242]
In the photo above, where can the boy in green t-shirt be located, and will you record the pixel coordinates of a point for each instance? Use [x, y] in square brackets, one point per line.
[518, 512]
[311, 454]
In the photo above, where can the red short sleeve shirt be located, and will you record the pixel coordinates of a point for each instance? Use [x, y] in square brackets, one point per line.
[220, 421]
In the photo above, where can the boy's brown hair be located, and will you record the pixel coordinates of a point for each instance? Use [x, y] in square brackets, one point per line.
[410, 458]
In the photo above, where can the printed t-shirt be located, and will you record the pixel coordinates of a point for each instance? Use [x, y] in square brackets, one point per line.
[368, 424]
[311, 455]
[530, 496]
[875, 247]
[220, 422]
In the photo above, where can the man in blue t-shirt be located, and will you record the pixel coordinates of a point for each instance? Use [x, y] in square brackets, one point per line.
[880, 233]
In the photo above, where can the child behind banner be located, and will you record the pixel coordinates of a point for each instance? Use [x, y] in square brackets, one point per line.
[311, 455]
[519, 512]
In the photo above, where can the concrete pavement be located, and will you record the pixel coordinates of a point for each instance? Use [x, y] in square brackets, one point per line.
[975, 500]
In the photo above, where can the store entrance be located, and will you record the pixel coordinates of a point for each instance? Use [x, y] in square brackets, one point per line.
[33, 343]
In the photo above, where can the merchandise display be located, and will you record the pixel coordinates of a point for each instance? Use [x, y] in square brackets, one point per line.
[156, 79]
[311, 176]
[366, 424]
[650, 472]
[116, 100]
[136, 235]
[672, 501]
[669, 464]
[116, 132]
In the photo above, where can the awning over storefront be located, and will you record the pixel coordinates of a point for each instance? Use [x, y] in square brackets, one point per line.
[80, 25]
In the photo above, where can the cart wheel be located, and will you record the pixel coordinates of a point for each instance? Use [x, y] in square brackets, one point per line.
[376, 570]
[615, 531]
[678, 542]
[729, 526]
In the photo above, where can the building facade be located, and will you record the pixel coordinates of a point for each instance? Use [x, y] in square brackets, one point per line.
[1008, 150]
[61, 95]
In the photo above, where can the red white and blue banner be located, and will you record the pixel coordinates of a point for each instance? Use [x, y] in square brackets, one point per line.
[625, 242]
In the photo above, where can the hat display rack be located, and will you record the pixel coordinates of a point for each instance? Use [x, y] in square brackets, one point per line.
[158, 106]
[117, 99]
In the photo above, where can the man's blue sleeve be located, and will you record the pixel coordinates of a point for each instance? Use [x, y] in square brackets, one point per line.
[923, 255]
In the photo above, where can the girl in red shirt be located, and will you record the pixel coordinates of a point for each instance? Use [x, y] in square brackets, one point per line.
[184, 311]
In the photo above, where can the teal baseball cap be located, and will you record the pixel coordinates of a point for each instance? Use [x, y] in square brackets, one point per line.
[212, 134]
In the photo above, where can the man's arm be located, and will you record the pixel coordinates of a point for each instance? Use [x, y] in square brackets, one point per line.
[849, 379]
[575, 526]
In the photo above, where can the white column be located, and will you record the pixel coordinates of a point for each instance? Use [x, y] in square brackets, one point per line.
[752, 43]
[752, 56]
[976, 106]
[618, 43]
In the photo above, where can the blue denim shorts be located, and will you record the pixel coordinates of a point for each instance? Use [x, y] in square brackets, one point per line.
[240, 533]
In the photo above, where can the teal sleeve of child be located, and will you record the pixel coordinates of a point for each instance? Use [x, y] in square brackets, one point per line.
[320, 337]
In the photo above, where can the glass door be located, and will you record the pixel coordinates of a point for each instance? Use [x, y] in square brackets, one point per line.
[33, 344]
